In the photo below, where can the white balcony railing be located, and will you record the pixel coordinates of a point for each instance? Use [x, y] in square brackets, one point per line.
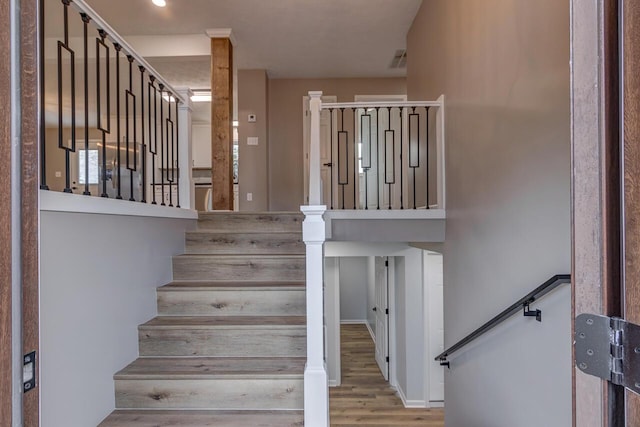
[377, 155]
[370, 156]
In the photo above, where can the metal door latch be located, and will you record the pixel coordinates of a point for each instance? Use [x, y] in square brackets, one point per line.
[608, 348]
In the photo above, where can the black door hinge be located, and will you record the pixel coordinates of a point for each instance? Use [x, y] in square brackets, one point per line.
[386, 263]
[387, 358]
[386, 311]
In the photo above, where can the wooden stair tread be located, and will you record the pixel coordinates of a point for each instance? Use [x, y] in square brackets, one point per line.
[196, 418]
[200, 285]
[204, 322]
[279, 233]
[243, 256]
[213, 367]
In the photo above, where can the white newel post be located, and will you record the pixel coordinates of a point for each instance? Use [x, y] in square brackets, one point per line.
[316, 387]
[186, 189]
[315, 184]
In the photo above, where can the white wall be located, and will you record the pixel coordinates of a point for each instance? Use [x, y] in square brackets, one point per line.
[98, 279]
[353, 289]
[434, 322]
[410, 326]
[503, 66]
[371, 293]
[332, 319]
[201, 145]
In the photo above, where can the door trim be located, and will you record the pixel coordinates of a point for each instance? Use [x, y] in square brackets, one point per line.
[29, 136]
[630, 132]
[6, 282]
[595, 187]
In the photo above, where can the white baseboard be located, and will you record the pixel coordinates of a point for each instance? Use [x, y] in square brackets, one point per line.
[410, 403]
[353, 322]
[436, 404]
[373, 336]
[333, 383]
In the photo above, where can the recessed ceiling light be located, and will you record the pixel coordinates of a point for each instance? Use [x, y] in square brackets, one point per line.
[160, 3]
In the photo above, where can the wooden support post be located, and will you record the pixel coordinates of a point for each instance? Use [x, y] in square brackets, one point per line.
[221, 119]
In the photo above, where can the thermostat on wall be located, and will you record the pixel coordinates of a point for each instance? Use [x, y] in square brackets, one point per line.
[252, 118]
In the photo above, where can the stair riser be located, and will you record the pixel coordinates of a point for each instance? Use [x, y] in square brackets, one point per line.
[207, 268]
[246, 342]
[232, 303]
[217, 243]
[250, 223]
[246, 394]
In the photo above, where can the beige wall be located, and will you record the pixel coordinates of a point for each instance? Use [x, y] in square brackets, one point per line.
[504, 68]
[286, 167]
[253, 159]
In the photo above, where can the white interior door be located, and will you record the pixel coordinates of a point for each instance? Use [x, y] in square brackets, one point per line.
[382, 317]
[325, 151]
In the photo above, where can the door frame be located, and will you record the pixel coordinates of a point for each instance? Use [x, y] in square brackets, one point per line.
[6, 282]
[596, 185]
[384, 293]
[30, 130]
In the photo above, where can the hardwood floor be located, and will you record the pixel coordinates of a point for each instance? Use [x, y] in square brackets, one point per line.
[365, 398]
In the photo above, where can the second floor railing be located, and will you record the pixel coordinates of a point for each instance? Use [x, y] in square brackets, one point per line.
[109, 121]
[377, 155]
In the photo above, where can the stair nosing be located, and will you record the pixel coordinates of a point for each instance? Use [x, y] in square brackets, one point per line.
[262, 256]
[200, 322]
[214, 231]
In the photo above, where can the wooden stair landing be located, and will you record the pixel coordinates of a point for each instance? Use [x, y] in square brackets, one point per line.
[153, 418]
[228, 345]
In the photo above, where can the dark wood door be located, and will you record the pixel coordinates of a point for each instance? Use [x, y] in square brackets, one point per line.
[630, 75]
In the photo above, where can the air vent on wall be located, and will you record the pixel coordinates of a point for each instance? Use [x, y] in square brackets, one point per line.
[399, 59]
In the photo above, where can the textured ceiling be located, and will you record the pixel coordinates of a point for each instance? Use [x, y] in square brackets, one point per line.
[288, 38]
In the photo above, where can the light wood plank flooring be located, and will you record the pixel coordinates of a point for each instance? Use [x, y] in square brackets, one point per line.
[365, 398]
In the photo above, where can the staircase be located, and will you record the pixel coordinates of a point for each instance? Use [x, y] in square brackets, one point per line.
[228, 346]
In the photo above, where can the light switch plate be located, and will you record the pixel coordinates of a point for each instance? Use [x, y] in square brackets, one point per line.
[252, 140]
[251, 118]
[249, 197]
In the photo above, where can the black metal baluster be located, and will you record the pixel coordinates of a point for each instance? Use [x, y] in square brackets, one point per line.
[43, 139]
[177, 177]
[162, 150]
[118, 48]
[427, 158]
[330, 164]
[392, 133]
[131, 130]
[343, 141]
[367, 166]
[85, 21]
[143, 154]
[414, 146]
[104, 128]
[170, 141]
[72, 89]
[355, 157]
[378, 156]
[153, 147]
[401, 166]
